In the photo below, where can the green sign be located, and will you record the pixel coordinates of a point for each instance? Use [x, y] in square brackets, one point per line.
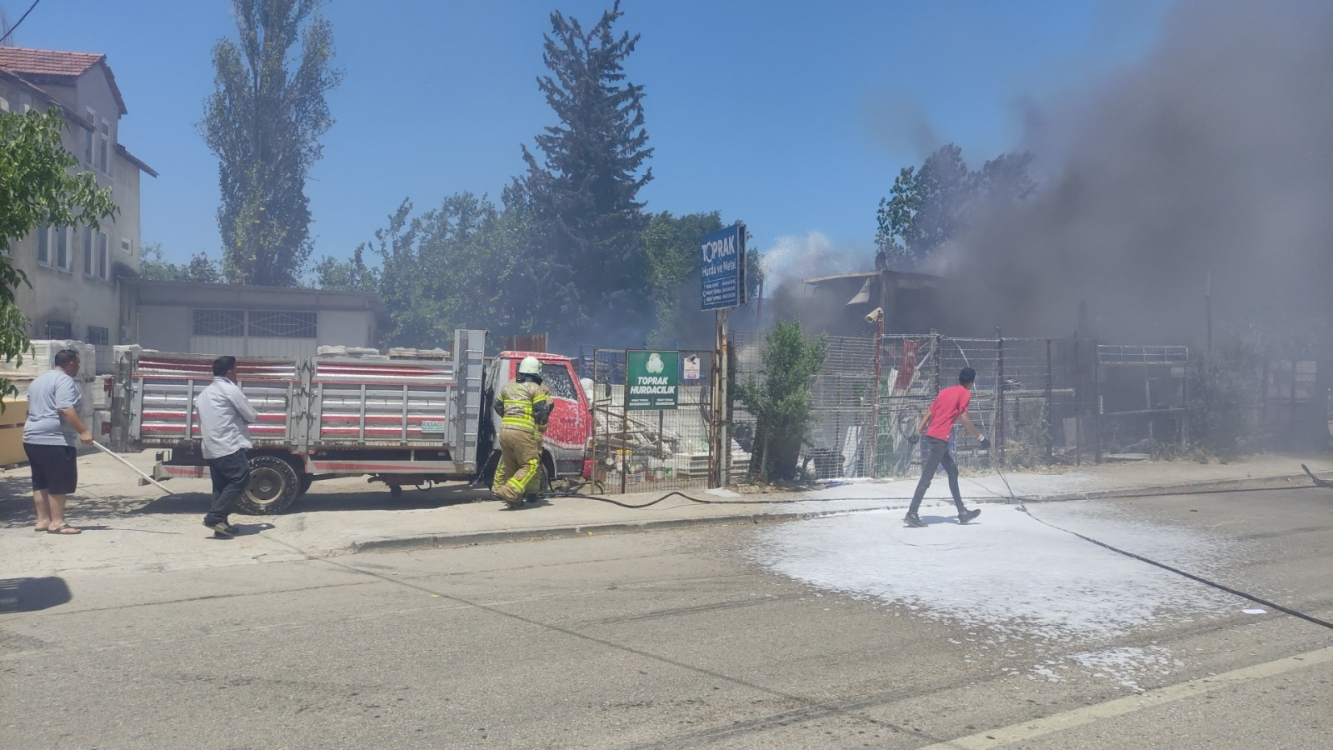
[653, 379]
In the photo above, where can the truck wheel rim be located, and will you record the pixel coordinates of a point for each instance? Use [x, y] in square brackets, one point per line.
[265, 485]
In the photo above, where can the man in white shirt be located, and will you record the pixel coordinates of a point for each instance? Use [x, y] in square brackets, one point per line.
[49, 436]
[224, 416]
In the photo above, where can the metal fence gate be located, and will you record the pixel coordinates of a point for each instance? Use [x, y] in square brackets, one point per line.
[1142, 400]
[650, 451]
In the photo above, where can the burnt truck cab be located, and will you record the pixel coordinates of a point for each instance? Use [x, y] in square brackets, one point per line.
[565, 451]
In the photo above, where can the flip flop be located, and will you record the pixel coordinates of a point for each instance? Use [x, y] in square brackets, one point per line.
[41, 531]
[64, 529]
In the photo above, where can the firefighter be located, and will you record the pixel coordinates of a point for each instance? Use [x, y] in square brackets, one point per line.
[524, 406]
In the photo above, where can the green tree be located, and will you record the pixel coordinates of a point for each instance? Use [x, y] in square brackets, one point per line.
[457, 266]
[583, 192]
[930, 206]
[780, 401]
[671, 247]
[37, 188]
[264, 121]
[154, 267]
[350, 275]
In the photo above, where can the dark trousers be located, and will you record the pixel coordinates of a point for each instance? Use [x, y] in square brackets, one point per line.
[230, 476]
[937, 455]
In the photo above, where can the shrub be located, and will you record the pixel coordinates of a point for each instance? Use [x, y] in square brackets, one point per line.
[781, 400]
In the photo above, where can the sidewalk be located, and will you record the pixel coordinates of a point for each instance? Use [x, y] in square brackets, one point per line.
[129, 528]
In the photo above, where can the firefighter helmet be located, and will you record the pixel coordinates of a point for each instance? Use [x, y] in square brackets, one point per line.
[530, 366]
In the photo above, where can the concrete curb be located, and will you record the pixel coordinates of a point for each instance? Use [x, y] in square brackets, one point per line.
[503, 536]
[442, 541]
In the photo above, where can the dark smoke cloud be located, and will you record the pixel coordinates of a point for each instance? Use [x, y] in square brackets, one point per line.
[1214, 155]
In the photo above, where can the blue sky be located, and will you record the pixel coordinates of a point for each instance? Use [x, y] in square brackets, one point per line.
[794, 117]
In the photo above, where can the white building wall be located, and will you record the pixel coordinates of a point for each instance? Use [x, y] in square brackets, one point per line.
[346, 328]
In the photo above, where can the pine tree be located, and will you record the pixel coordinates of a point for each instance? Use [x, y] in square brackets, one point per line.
[583, 192]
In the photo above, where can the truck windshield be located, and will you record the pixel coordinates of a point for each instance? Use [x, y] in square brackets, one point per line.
[556, 378]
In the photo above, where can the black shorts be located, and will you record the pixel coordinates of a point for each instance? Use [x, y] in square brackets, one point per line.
[54, 468]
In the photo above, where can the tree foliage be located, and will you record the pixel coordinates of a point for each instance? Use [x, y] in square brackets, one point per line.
[351, 275]
[583, 191]
[930, 206]
[264, 121]
[457, 266]
[780, 401]
[37, 188]
[154, 267]
[671, 248]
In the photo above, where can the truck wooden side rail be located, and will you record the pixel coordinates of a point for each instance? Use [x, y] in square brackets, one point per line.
[404, 421]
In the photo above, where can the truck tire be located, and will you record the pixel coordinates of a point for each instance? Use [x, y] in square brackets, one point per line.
[274, 485]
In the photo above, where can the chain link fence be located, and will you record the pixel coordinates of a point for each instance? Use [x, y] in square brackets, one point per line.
[650, 451]
[1024, 398]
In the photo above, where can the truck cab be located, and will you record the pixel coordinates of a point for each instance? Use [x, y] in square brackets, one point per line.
[569, 432]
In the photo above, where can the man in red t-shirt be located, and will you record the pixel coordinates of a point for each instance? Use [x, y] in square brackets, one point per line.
[947, 408]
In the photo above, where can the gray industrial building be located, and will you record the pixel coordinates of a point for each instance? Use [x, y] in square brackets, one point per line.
[249, 320]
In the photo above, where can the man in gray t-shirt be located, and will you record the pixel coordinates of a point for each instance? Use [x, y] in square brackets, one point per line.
[49, 441]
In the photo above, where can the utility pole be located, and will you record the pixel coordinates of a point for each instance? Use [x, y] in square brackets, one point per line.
[872, 431]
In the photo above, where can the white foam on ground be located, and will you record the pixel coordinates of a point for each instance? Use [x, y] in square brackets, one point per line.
[898, 492]
[1006, 571]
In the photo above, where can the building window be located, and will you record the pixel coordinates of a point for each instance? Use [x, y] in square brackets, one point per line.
[219, 322]
[126, 246]
[103, 260]
[89, 257]
[99, 335]
[64, 258]
[89, 253]
[43, 245]
[59, 329]
[88, 138]
[103, 145]
[283, 324]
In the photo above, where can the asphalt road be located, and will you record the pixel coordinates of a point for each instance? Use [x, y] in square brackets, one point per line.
[674, 639]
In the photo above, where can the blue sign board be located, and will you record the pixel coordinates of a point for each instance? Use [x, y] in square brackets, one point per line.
[722, 262]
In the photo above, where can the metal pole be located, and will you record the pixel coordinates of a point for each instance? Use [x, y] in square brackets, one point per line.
[723, 431]
[1185, 419]
[1096, 403]
[872, 434]
[133, 468]
[592, 414]
[624, 429]
[999, 395]
[938, 357]
[1079, 385]
[1050, 414]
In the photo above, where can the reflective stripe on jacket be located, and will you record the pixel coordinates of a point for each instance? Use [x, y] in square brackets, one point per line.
[517, 400]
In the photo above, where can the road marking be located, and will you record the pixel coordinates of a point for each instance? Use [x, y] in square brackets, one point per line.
[1129, 704]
